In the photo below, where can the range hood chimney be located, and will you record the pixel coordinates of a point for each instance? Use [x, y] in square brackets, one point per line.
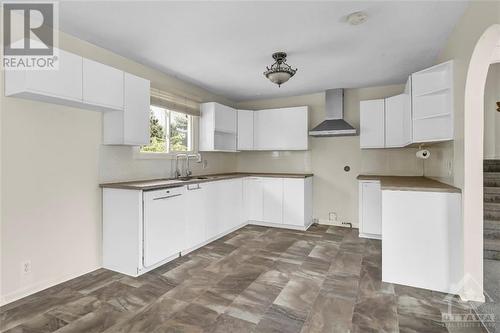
[334, 123]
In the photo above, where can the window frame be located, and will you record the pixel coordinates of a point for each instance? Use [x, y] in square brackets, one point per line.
[192, 135]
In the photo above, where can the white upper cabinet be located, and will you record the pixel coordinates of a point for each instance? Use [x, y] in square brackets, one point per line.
[102, 85]
[218, 127]
[245, 130]
[281, 129]
[130, 126]
[372, 123]
[398, 119]
[61, 86]
[432, 103]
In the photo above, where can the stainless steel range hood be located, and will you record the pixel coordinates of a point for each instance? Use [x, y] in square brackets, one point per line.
[334, 124]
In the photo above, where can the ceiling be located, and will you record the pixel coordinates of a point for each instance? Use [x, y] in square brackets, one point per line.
[225, 46]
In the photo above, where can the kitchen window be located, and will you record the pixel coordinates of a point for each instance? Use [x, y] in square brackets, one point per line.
[170, 131]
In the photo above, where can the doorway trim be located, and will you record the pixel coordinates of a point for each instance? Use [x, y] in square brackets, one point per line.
[477, 72]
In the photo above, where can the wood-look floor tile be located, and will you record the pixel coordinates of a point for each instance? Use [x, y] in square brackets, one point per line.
[228, 324]
[256, 279]
[253, 302]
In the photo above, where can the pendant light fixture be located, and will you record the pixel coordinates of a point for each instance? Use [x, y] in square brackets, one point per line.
[280, 71]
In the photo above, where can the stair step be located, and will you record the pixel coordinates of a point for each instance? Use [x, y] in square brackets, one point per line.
[492, 234]
[491, 215]
[491, 179]
[492, 244]
[491, 255]
[492, 225]
[491, 165]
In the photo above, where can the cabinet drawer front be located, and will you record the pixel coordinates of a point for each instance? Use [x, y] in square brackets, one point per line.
[102, 85]
[66, 82]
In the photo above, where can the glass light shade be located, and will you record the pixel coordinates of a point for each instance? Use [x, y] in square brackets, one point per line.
[279, 77]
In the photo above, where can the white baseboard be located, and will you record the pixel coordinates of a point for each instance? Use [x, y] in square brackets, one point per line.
[335, 223]
[279, 225]
[41, 285]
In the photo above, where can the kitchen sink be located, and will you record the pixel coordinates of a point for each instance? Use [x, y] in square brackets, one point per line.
[185, 179]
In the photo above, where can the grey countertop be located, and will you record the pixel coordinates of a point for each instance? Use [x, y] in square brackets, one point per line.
[154, 184]
[411, 183]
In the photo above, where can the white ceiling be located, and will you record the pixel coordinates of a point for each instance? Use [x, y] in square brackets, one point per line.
[225, 46]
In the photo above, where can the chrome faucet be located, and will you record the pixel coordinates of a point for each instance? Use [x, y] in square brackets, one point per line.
[178, 172]
[188, 168]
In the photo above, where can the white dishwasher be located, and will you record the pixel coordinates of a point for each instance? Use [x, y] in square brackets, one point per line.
[164, 224]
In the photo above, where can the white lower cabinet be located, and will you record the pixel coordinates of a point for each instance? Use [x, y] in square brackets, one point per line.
[253, 198]
[145, 229]
[370, 209]
[284, 202]
[196, 197]
[297, 201]
[272, 209]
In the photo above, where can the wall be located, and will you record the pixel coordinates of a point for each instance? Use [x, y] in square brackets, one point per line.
[52, 163]
[334, 189]
[491, 116]
[477, 18]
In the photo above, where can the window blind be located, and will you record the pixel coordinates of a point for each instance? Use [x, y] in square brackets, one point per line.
[174, 102]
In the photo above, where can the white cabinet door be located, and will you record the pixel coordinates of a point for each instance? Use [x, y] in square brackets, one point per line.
[273, 200]
[372, 123]
[136, 110]
[64, 83]
[130, 126]
[294, 201]
[225, 118]
[245, 130]
[196, 219]
[164, 224]
[102, 85]
[253, 199]
[281, 129]
[213, 214]
[398, 121]
[229, 201]
[370, 209]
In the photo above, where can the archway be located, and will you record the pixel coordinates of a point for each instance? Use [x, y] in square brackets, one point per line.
[482, 56]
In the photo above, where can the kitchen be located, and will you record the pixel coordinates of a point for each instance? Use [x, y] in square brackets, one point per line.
[250, 193]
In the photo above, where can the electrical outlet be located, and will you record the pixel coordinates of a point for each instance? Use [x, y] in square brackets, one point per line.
[332, 216]
[26, 267]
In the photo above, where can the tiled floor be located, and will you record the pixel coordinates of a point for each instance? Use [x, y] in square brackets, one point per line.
[254, 280]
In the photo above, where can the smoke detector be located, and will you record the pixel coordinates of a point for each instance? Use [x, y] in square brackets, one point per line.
[356, 18]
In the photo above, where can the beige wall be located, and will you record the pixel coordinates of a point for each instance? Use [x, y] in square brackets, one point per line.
[491, 116]
[52, 163]
[459, 47]
[334, 189]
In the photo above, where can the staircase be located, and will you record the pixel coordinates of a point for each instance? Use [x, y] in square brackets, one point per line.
[492, 209]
